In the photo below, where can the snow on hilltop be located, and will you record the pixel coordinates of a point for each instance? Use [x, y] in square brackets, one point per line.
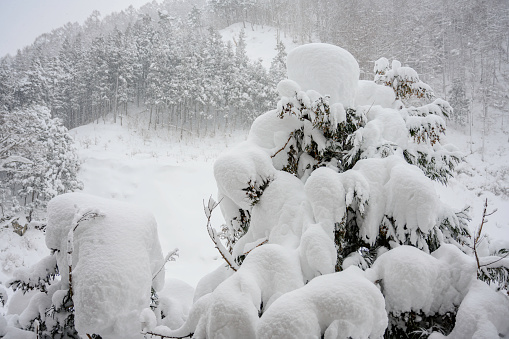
[260, 40]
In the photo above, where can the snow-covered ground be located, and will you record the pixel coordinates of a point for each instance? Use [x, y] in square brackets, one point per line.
[169, 177]
[478, 179]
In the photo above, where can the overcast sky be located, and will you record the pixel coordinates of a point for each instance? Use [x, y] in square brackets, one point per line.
[21, 21]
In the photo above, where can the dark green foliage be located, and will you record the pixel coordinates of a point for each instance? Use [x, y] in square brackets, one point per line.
[418, 325]
[338, 136]
[255, 189]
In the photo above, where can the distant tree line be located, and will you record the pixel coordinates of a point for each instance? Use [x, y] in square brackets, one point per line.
[459, 47]
[175, 68]
[168, 58]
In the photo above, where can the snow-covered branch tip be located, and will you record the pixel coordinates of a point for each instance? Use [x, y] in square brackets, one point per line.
[171, 256]
[211, 205]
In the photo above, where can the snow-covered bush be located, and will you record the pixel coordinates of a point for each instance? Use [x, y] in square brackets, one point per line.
[106, 261]
[37, 160]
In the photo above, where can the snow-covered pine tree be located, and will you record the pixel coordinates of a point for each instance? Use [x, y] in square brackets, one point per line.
[277, 68]
[322, 205]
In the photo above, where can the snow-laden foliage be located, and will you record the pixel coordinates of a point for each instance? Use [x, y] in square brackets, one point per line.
[321, 186]
[37, 160]
[108, 260]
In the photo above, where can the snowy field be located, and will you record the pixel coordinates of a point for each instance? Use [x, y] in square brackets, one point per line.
[170, 178]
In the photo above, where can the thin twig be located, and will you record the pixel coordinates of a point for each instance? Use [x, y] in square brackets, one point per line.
[169, 257]
[478, 238]
[282, 148]
[491, 263]
[260, 244]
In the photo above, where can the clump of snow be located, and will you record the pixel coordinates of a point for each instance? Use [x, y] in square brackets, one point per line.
[115, 260]
[482, 314]
[279, 216]
[175, 301]
[411, 280]
[341, 305]
[370, 93]
[411, 200]
[325, 68]
[288, 88]
[231, 310]
[148, 320]
[235, 169]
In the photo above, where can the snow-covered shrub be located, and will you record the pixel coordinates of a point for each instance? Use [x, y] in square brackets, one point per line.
[105, 261]
[320, 185]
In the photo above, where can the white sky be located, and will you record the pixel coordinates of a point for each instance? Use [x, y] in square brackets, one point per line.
[21, 21]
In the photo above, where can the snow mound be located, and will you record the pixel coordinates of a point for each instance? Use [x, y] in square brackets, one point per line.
[341, 305]
[115, 255]
[325, 68]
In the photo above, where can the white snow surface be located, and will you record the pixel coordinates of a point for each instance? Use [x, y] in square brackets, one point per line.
[483, 314]
[115, 260]
[325, 68]
[372, 94]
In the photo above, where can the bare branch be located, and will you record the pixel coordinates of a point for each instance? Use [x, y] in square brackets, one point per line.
[493, 262]
[171, 256]
[166, 336]
[260, 244]
[215, 237]
[282, 148]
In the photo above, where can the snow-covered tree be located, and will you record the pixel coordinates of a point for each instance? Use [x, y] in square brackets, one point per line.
[331, 230]
[37, 160]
